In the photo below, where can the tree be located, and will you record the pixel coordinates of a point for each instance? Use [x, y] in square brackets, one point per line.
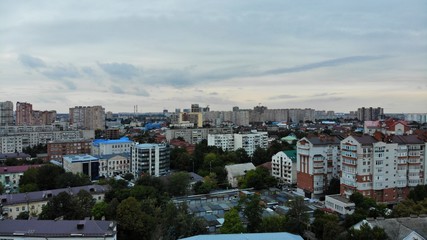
[297, 215]
[178, 183]
[260, 156]
[366, 232]
[128, 176]
[99, 210]
[232, 222]
[60, 205]
[419, 193]
[83, 203]
[333, 187]
[258, 178]
[325, 225]
[46, 176]
[23, 215]
[242, 156]
[275, 223]
[252, 210]
[130, 219]
[69, 179]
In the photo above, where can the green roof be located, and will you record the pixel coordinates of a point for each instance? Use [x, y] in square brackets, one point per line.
[292, 154]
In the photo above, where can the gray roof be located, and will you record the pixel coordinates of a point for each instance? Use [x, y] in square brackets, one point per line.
[399, 228]
[239, 169]
[247, 236]
[407, 139]
[52, 228]
[39, 196]
[326, 140]
[365, 139]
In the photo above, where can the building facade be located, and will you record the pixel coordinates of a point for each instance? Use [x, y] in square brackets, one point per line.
[32, 202]
[195, 135]
[6, 113]
[231, 142]
[283, 167]
[10, 176]
[114, 164]
[382, 170]
[317, 164]
[88, 117]
[370, 113]
[111, 146]
[150, 159]
[57, 149]
[82, 163]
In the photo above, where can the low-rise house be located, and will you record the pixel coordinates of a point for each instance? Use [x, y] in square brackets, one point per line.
[405, 228]
[235, 171]
[339, 204]
[13, 204]
[51, 229]
[82, 163]
[10, 176]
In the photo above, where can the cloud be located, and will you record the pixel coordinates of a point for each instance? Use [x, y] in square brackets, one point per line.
[284, 96]
[324, 94]
[117, 89]
[120, 70]
[62, 72]
[31, 62]
[88, 71]
[323, 64]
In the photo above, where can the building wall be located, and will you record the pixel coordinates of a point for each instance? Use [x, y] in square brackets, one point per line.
[88, 117]
[150, 159]
[110, 166]
[6, 113]
[58, 149]
[283, 168]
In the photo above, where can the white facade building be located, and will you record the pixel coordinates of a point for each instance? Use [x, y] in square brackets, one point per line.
[151, 159]
[283, 167]
[235, 171]
[115, 146]
[231, 142]
[114, 164]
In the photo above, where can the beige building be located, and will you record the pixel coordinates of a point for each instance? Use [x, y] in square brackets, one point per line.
[14, 204]
[88, 117]
[114, 164]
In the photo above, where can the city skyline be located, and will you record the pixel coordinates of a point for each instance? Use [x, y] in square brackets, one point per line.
[160, 55]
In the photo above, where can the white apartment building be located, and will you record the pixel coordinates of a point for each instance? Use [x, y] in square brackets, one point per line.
[195, 135]
[317, 164]
[384, 171]
[151, 159]
[15, 138]
[111, 146]
[248, 141]
[283, 167]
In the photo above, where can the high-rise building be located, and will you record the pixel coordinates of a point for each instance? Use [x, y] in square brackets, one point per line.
[317, 164]
[88, 117]
[370, 114]
[6, 113]
[150, 159]
[24, 113]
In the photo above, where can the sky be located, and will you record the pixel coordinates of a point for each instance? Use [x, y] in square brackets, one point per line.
[327, 55]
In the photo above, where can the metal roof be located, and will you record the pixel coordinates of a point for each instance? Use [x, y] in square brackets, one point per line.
[247, 236]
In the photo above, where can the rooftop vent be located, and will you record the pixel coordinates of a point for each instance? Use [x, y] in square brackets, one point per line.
[81, 224]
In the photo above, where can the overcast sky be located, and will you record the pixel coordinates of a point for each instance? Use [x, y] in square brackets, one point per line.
[327, 55]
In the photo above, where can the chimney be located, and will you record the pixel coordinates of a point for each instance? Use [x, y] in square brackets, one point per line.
[81, 224]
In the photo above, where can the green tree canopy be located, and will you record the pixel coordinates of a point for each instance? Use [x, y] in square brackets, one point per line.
[232, 222]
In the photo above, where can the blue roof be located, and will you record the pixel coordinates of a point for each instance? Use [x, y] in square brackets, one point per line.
[97, 142]
[248, 236]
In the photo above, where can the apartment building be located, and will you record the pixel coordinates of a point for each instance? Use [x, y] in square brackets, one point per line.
[150, 159]
[111, 146]
[283, 167]
[15, 138]
[6, 113]
[88, 117]
[57, 149]
[14, 204]
[195, 135]
[383, 170]
[248, 141]
[369, 113]
[317, 164]
[26, 116]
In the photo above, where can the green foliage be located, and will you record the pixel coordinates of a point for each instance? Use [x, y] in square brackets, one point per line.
[178, 183]
[366, 232]
[252, 209]
[130, 219]
[333, 187]
[23, 215]
[33, 151]
[325, 225]
[260, 156]
[232, 222]
[419, 193]
[258, 178]
[275, 223]
[99, 210]
[70, 179]
[297, 215]
[69, 207]
[178, 223]
[47, 175]
[128, 176]
[410, 207]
